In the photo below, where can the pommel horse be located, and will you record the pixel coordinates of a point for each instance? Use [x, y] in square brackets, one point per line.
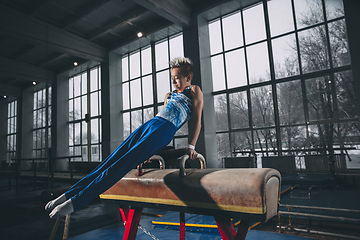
[249, 194]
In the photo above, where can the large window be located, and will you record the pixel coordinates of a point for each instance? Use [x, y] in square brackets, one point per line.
[42, 122]
[282, 78]
[11, 131]
[145, 82]
[85, 115]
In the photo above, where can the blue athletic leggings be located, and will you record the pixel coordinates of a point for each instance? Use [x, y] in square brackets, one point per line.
[144, 142]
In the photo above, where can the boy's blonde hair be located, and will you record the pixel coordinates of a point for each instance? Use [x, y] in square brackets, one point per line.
[185, 65]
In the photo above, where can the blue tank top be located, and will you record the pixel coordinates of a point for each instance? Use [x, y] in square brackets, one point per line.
[178, 109]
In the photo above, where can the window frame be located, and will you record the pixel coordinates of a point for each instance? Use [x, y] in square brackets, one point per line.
[42, 131]
[274, 81]
[158, 101]
[12, 128]
[78, 126]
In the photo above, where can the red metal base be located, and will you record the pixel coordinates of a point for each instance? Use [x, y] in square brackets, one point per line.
[182, 226]
[131, 218]
[227, 229]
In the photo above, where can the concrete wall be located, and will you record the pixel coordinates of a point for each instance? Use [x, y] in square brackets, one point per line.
[105, 108]
[26, 117]
[115, 98]
[352, 19]
[62, 128]
[3, 129]
[207, 87]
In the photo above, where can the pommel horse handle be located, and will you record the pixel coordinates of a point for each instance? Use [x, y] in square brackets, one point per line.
[160, 159]
[154, 157]
[185, 158]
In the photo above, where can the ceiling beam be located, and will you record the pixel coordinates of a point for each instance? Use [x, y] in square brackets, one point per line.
[126, 18]
[149, 31]
[25, 71]
[25, 50]
[40, 6]
[175, 11]
[85, 11]
[9, 90]
[53, 58]
[33, 31]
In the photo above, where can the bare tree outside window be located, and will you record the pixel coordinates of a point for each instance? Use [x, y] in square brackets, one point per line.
[315, 100]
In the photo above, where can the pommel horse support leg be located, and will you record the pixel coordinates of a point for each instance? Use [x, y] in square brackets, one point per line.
[249, 194]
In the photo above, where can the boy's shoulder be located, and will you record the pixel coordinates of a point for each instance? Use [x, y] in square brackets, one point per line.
[196, 92]
[195, 88]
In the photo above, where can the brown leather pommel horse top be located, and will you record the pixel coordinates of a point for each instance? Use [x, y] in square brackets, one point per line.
[243, 193]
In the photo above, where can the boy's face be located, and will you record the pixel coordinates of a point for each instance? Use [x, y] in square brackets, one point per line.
[179, 81]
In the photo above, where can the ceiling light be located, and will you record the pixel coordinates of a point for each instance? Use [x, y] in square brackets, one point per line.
[75, 64]
[4, 96]
[139, 34]
[34, 83]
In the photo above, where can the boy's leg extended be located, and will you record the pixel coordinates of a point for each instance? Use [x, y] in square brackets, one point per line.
[82, 183]
[140, 146]
[113, 157]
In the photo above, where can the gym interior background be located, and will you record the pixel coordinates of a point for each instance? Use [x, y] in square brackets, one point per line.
[280, 80]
